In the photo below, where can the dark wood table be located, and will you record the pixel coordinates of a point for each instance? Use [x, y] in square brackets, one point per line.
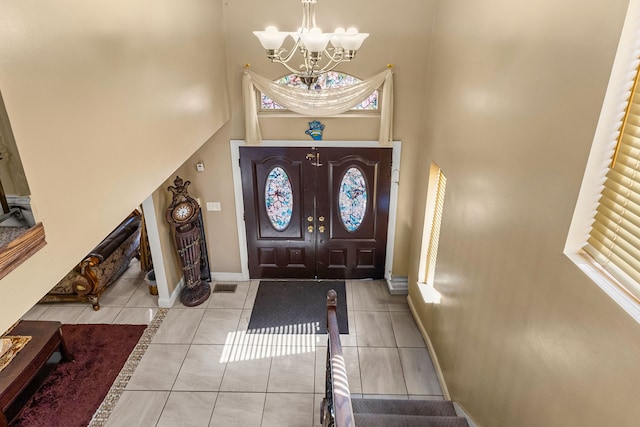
[46, 338]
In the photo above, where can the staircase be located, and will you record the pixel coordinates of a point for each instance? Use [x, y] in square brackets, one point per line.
[339, 410]
[405, 413]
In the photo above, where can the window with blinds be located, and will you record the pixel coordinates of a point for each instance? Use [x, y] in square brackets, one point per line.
[614, 240]
[433, 220]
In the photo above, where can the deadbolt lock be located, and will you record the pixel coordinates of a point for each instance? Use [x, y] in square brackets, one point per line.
[321, 219]
[310, 218]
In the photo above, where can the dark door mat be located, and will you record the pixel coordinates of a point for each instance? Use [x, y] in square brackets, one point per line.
[296, 307]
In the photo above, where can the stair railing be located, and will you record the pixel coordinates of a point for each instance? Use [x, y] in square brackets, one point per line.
[336, 410]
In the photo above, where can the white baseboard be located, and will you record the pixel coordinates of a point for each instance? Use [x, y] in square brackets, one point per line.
[168, 302]
[462, 413]
[228, 277]
[432, 353]
[398, 285]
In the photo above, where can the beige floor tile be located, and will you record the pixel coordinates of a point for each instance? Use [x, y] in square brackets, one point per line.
[292, 372]
[188, 409]
[405, 330]
[104, 315]
[351, 339]
[202, 369]
[119, 292]
[381, 371]
[63, 312]
[398, 303]
[133, 272]
[142, 298]
[138, 408]
[35, 312]
[247, 370]
[230, 300]
[298, 413]
[217, 326]
[374, 329]
[419, 372]
[179, 326]
[136, 316]
[371, 295]
[238, 410]
[159, 367]
[251, 294]
[317, 401]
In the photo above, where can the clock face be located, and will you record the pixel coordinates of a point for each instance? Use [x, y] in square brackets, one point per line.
[182, 212]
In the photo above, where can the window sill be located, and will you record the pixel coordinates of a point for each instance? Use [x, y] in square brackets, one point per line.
[607, 283]
[429, 293]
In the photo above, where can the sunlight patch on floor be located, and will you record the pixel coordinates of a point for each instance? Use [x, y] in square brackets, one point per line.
[269, 342]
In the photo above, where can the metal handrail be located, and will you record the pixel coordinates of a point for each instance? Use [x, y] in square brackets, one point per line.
[336, 406]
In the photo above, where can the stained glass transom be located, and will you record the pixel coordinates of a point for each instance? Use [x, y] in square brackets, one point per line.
[330, 80]
[352, 199]
[278, 198]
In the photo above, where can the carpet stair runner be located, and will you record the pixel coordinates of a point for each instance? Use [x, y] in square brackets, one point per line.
[405, 413]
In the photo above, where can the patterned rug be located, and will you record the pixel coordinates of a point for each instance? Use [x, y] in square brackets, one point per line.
[83, 392]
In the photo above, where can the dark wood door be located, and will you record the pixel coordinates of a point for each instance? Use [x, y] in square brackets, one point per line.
[316, 212]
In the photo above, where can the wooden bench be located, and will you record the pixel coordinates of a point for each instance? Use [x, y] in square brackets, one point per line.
[46, 338]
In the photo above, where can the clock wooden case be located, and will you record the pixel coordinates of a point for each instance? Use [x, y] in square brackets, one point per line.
[182, 215]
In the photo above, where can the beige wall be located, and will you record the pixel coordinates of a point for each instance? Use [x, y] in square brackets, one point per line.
[523, 337]
[106, 100]
[405, 45]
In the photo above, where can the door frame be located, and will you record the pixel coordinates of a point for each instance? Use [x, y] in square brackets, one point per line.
[393, 197]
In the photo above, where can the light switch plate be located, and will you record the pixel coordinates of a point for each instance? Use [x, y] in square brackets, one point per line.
[214, 206]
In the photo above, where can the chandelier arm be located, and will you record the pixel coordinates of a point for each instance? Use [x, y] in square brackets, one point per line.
[288, 67]
[290, 53]
[331, 65]
[336, 56]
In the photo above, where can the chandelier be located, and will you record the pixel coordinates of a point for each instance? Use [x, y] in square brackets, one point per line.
[317, 56]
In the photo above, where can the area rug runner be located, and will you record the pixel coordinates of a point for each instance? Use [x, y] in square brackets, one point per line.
[73, 391]
[296, 307]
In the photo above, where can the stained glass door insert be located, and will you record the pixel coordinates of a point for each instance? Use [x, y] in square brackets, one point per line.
[310, 219]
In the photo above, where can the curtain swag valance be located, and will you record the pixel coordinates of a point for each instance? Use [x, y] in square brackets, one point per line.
[325, 103]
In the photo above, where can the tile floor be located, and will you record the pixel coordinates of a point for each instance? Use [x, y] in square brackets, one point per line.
[202, 369]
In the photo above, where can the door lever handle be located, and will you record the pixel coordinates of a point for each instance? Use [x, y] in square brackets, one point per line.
[310, 229]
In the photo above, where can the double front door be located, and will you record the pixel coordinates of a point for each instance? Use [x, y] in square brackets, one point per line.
[316, 212]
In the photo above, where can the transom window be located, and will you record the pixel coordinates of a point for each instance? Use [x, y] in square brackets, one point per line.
[330, 80]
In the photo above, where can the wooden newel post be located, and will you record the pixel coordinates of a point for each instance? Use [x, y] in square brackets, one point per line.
[182, 214]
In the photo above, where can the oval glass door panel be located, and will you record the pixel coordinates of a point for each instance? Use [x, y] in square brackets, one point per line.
[278, 198]
[352, 199]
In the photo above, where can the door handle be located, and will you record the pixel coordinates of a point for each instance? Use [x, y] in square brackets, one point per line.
[310, 229]
[321, 229]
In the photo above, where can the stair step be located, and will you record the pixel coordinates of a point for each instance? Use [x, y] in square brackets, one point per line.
[403, 407]
[384, 420]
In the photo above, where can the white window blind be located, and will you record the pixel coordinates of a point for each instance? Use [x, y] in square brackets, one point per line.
[436, 220]
[614, 240]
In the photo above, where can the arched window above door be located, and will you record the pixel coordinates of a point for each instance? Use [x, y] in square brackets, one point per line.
[330, 80]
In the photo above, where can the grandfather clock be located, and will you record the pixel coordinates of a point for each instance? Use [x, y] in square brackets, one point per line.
[182, 215]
